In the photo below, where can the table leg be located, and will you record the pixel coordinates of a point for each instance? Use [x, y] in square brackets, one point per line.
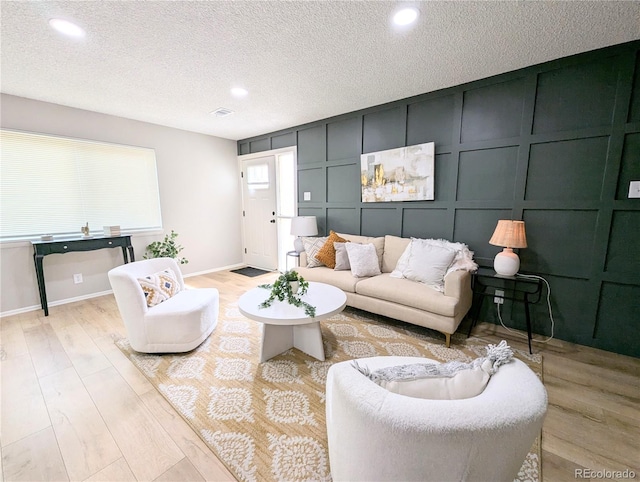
[476, 313]
[275, 340]
[127, 254]
[41, 286]
[308, 338]
[528, 317]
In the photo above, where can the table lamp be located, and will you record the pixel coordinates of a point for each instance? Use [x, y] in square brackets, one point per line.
[303, 226]
[508, 234]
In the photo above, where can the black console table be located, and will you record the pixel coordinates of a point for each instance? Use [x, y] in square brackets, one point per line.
[43, 248]
[485, 282]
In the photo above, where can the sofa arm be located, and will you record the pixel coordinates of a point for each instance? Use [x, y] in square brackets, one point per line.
[457, 284]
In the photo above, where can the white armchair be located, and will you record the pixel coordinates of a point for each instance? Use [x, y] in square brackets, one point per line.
[176, 325]
[376, 435]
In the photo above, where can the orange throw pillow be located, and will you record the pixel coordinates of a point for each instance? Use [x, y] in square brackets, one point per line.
[327, 254]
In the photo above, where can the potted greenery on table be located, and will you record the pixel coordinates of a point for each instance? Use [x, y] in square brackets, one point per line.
[287, 287]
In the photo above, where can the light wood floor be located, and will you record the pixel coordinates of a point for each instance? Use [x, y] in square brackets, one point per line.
[75, 408]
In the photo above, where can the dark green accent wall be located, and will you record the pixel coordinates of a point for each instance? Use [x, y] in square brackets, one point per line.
[554, 144]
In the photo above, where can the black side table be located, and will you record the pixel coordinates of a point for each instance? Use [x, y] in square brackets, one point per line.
[486, 281]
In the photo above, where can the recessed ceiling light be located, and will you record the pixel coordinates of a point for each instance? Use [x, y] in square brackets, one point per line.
[66, 27]
[406, 16]
[239, 92]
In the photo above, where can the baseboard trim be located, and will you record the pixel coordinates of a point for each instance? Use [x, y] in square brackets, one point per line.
[102, 293]
[214, 270]
[55, 303]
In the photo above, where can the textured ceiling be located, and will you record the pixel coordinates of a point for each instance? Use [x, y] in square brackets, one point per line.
[173, 62]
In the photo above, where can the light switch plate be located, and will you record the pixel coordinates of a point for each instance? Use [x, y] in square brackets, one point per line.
[307, 196]
[634, 189]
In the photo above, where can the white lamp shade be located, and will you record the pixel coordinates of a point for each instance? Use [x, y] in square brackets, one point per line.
[304, 226]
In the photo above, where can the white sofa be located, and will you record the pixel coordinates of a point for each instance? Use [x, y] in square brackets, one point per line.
[399, 298]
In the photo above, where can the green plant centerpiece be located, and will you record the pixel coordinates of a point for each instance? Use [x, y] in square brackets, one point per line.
[167, 248]
[282, 290]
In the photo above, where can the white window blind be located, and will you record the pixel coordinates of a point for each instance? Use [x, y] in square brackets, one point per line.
[54, 185]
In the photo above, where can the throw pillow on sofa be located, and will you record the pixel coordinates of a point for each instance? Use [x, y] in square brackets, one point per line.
[441, 381]
[378, 243]
[327, 254]
[342, 257]
[363, 260]
[428, 263]
[311, 246]
[463, 258]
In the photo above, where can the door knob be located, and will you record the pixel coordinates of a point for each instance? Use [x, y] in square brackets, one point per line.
[272, 221]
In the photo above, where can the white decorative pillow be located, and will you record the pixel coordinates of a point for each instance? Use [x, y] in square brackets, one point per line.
[441, 381]
[159, 287]
[463, 259]
[311, 247]
[402, 263]
[363, 260]
[428, 263]
[342, 258]
[464, 384]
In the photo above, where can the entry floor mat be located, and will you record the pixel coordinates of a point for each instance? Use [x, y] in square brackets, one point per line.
[249, 271]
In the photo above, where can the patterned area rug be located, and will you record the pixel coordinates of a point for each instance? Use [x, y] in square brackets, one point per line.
[266, 421]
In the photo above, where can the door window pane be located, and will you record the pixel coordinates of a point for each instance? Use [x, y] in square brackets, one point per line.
[258, 176]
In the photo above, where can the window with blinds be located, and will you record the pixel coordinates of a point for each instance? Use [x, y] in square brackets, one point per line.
[55, 185]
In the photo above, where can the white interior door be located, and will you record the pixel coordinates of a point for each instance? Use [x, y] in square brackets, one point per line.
[259, 213]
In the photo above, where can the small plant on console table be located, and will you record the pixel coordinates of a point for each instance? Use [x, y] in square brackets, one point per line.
[167, 248]
[282, 290]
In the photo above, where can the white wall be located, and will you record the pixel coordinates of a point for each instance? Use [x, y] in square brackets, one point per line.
[200, 196]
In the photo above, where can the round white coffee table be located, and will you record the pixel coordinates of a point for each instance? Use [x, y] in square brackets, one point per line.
[287, 326]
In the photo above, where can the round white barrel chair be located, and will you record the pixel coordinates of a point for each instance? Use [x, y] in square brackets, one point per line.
[159, 314]
[375, 434]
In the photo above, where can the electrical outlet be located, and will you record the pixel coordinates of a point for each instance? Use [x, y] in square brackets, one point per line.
[77, 278]
[499, 297]
[307, 196]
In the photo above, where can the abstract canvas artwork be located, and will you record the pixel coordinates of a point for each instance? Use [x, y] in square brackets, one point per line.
[402, 174]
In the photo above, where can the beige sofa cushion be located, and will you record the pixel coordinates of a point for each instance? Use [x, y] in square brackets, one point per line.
[408, 293]
[394, 246]
[378, 243]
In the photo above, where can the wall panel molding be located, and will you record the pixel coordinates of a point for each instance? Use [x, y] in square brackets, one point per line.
[555, 144]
